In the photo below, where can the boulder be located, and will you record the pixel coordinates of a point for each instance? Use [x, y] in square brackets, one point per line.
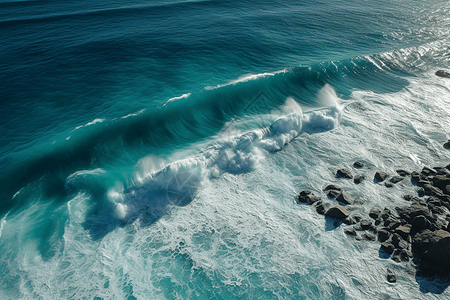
[428, 172]
[331, 187]
[383, 235]
[337, 212]
[442, 73]
[333, 193]
[369, 236]
[386, 214]
[350, 231]
[399, 242]
[388, 184]
[410, 198]
[415, 176]
[404, 231]
[344, 198]
[403, 173]
[391, 276]
[358, 179]
[366, 225]
[433, 248]
[396, 179]
[375, 213]
[388, 247]
[349, 221]
[307, 197]
[344, 173]
[441, 181]
[320, 209]
[410, 212]
[432, 190]
[447, 145]
[358, 165]
[381, 176]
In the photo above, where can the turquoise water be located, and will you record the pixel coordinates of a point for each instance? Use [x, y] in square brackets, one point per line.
[153, 150]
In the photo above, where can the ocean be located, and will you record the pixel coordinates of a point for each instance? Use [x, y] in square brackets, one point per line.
[155, 149]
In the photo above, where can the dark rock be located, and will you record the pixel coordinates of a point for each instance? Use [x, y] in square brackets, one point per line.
[386, 214]
[357, 218]
[403, 173]
[338, 212]
[432, 190]
[389, 185]
[415, 176]
[410, 198]
[447, 190]
[388, 247]
[331, 187]
[359, 178]
[377, 222]
[441, 181]
[320, 209]
[358, 165]
[333, 193]
[447, 145]
[366, 225]
[448, 166]
[396, 179]
[428, 172]
[433, 248]
[404, 231]
[383, 235]
[381, 176]
[344, 198]
[410, 212]
[391, 276]
[350, 231]
[420, 223]
[442, 73]
[405, 255]
[344, 173]
[307, 197]
[422, 182]
[375, 213]
[392, 223]
[349, 221]
[441, 171]
[399, 242]
[421, 192]
[369, 237]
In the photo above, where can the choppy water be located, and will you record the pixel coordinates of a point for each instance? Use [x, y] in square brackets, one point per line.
[153, 150]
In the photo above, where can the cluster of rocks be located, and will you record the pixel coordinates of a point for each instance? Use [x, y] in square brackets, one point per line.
[418, 233]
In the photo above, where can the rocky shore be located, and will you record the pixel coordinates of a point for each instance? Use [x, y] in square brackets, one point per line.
[418, 233]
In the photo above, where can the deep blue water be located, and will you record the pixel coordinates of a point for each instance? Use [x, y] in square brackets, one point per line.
[102, 101]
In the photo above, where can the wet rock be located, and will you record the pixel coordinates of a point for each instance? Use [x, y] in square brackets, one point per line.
[403, 173]
[410, 212]
[428, 172]
[381, 176]
[441, 181]
[420, 223]
[392, 223]
[389, 185]
[410, 198]
[358, 179]
[404, 231]
[442, 73]
[307, 197]
[432, 190]
[391, 276]
[365, 224]
[344, 173]
[331, 187]
[320, 209]
[344, 198]
[383, 235]
[349, 221]
[447, 145]
[358, 165]
[388, 247]
[415, 176]
[387, 213]
[369, 237]
[396, 179]
[399, 242]
[350, 231]
[337, 212]
[422, 182]
[333, 193]
[375, 213]
[441, 171]
[433, 248]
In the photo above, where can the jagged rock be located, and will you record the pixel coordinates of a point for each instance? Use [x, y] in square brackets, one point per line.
[350, 231]
[396, 179]
[383, 235]
[359, 178]
[432, 190]
[441, 171]
[388, 184]
[422, 182]
[366, 225]
[349, 221]
[358, 165]
[399, 242]
[410, 212]
[447, 145]
[404, 231]
[375, 213]
[381, 176]
[441, 181]
[388, 247]
[386, 214]
[392, 223]
[415, 176]
[420, 223]
[410, 198]
[369, 237]
[428, 172]
[320, 209]
[337, 212]
[344, 173]
[442, 73]
[391, 276]
[307, 197]
[448, 166]
[344, 198]
[333, 193]
[433, 248]
[331, 187]
[403, 173]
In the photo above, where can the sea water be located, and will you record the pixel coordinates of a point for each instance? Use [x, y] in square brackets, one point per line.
[154, 149]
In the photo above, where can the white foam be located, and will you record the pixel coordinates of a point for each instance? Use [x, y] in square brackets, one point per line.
[184, 96]
[2, 223]
[87, 124]
[245, 78]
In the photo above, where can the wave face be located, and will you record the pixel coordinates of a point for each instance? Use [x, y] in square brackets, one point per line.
[153, 150]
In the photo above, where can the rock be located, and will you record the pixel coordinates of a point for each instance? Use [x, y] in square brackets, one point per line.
[404, 231]
[350, 231]
[358, 165]
[399, 242]
[420, 223]
[386, 214]
[441, 171]
[388, 247]
[415, 176]
[432, 190]
[349, 221]
[307, 197]
[344, 173]
[428, 172]
[442, 73]
[392, 224]
[383, 235]
[410, 212]
[381, 176]
[389, 185]
[441, 181]
[391, 276]
[337, 212]
[448, 166]
[320, 209]
[359, 178]
[375, 213]
[344, 198]
[396, 179]
[410, 198]
[333, 193]
[403, 173]
[433, 248]
[331, 187]
[369, 237]
[422, 182]
[405, 255]
[365, 224]
[447, 145]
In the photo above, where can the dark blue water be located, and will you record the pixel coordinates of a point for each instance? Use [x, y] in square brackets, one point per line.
[117, 119]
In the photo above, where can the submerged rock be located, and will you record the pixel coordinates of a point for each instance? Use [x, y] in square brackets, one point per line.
[381, 176]
[358, 179]
[358, 165]
[337, 212]
[442, 73]
[344, 173]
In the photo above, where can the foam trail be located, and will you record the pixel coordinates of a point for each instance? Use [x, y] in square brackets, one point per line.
[184, 96]
[2, 224]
